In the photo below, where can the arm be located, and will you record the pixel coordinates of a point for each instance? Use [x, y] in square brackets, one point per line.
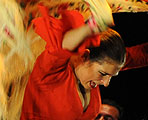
[74, 37]
[137, 56]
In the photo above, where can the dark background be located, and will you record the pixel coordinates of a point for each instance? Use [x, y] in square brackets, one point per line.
[130, 88]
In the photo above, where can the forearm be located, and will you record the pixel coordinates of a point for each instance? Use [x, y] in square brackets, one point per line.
[73, 38]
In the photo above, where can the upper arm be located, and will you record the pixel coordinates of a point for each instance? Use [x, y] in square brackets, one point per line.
[50, 64]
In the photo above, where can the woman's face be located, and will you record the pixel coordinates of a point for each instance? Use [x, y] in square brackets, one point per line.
[92, 74]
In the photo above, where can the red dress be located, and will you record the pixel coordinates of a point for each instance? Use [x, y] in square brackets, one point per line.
[51, 92]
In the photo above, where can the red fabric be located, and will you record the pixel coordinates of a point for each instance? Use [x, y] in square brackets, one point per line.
[145, 0]
[51, 92]
[136, 56]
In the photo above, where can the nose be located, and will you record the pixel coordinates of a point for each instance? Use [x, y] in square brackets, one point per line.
[106, 81]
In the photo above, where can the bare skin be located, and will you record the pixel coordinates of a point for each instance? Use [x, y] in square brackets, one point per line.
[89, 74]
[74, 37]
[109, 111]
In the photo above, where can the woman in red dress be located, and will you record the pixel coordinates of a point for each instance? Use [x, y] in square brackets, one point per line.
[64, 82]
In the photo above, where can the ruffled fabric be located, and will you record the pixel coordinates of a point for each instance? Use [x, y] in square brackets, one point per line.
[52, 30]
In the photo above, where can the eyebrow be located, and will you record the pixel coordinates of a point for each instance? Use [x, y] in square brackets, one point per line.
[105, 73]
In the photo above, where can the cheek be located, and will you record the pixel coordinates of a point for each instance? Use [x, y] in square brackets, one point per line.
[87, 77]
[92, 74]
[89, 74]
[100, 77]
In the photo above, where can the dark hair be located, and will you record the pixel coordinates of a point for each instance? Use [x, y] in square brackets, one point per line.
[116, 105]
[111, 46]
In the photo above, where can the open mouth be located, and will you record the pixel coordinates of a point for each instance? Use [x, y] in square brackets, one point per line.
[93, 84]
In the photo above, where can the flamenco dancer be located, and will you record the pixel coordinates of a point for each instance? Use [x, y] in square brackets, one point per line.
[63, 79]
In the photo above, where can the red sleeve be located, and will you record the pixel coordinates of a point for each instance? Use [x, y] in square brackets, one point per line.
[52, 29]
[54, 59]
[74, 20]
[137, 56]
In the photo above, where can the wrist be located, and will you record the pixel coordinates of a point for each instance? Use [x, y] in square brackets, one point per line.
[92, 24]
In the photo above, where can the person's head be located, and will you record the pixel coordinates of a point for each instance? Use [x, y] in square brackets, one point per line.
[103, 62]
[110, 110]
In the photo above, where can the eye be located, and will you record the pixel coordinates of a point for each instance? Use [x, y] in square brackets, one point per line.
[105, 117]
[103, 74]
